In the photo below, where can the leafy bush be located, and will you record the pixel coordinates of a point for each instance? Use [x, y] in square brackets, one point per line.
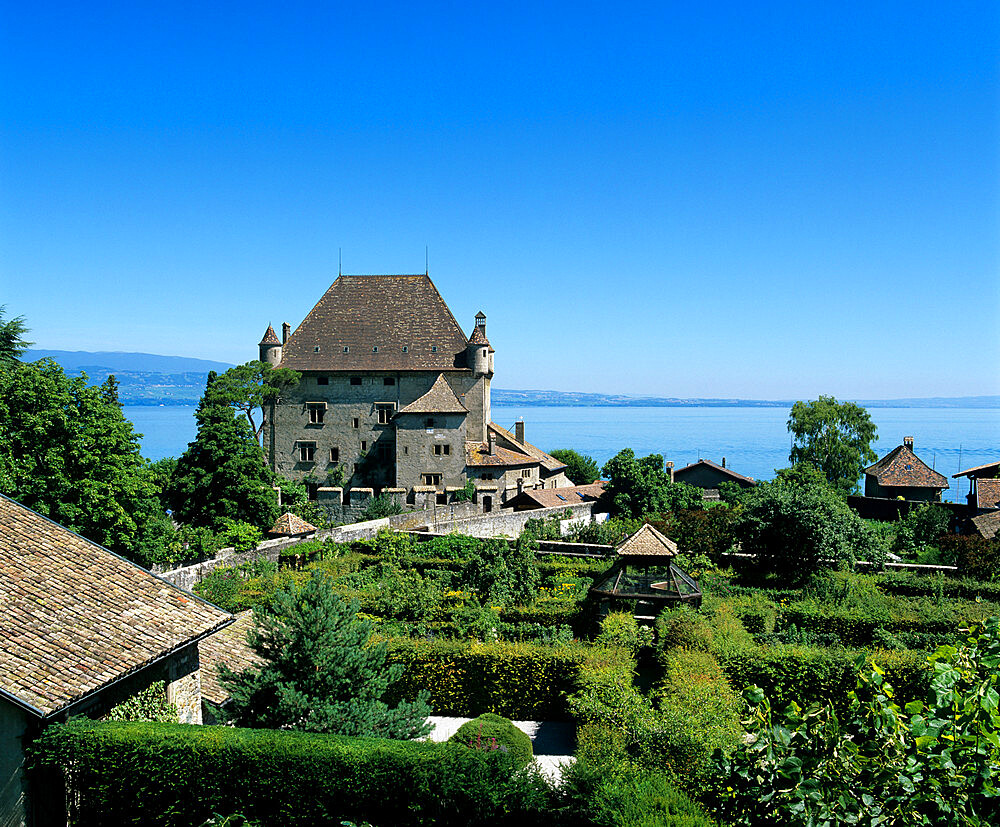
[503, 575]
[241, 536]
[707, 531]
[149, 704]
[609, 533]
[490, 731]
[975, 557]
[166, 775]
[379, 507]
[921, 527]
[622, 629]
[684, 627]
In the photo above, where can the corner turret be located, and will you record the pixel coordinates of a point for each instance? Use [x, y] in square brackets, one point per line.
[270, 347]
[478, 353]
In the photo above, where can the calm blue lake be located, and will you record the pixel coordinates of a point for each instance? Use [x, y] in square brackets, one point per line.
[754, 441]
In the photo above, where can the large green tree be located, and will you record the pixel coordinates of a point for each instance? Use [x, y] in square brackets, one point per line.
[251, 386]
[638, 487]
[222, 476]
[581, 469]
[834, 437]
[68, 452]
[12, 342]
[318, 671]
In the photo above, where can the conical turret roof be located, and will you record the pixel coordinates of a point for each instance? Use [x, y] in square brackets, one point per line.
[270, 337]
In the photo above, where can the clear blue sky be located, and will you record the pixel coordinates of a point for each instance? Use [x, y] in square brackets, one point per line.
[763, 200]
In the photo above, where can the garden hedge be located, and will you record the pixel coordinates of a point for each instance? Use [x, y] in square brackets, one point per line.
[172, 775]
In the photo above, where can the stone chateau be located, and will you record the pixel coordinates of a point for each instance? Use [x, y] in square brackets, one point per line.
[394, 397]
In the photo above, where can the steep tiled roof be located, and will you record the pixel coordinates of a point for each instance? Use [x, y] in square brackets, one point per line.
[270, 337]
[361, 313]
[987, 525]
[901, 467]
[439, 399]
[647, 542]
[478, 337]
[549, 463]
[289, 525]
[987, 493]
[478, 455]
[991, 469]
[708, 463]
[552, 497]
[74, 617]
[228, 646]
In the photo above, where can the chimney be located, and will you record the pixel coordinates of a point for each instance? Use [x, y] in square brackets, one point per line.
[723, 462]
[519, 430]
[490, 438]
[286, 328]
[670, 471]
[908, 442]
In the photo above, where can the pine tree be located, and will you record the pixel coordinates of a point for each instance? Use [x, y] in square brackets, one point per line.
[319, 674]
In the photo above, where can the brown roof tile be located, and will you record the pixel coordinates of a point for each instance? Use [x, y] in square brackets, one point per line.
[228, 646]
[270, 337]
[439, 399]
[988, 493]
[553, 497]
[647, 542]
[987, 525]
[478, 455]
[290, 525]
[361, 313]
[478, 337]
[75, 616]
[901, 467]
[549, 463]
[727, 471]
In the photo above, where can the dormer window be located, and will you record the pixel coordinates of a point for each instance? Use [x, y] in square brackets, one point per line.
[434, 348]
[405, 349]
[346, 349]
[316, 349]
[375, 349]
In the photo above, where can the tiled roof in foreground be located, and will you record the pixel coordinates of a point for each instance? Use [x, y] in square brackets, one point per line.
[75, 617]
[228, 646]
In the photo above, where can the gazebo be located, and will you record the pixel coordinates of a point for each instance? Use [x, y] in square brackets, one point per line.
[645, 575]
[291, 525]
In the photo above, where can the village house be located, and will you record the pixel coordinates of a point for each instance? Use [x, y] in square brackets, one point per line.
[83, 629]
[984, 486]
[708, 475]
[902, 474]
[394, 396]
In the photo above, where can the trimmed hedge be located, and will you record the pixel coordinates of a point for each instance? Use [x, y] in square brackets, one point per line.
[172, 775]
[517, 680]
[489, 732]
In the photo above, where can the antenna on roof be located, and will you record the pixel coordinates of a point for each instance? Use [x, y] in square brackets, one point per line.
[340, 262]
[427, 260]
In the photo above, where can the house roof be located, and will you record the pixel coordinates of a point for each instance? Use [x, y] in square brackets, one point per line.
[478, 454]
[901, 467]
[987, 525]
[554, 497]
[439, 399]
[989, 470]
[290, 525]
[361, 313]
[228, 646]
[270, 337]
[75, 617]
[707, 463]
[647, 542]
[988, 493]
[549, 463]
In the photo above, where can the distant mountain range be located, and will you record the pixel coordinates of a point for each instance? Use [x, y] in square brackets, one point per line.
[148, 379]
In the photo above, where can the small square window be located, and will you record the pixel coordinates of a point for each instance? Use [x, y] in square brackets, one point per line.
[356, 422]
[355, 380]
[441, 450]
[388, 380]
[431, 479]
[385, 453]
[405, 349]
[385, 411]
[526, 473]
[346, 349]
[307, 450]
[434, 348]
[316, 349]
[334, 455]
[316, 413]
[429, 422]
[375, 349]
[322, 380]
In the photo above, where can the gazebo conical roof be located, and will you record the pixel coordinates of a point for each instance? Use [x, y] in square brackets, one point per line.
[291, 525]
[648, 544]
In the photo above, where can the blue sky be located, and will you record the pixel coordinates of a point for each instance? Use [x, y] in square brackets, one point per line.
[764, 200]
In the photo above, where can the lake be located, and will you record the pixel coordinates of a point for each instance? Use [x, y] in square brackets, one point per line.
[754, 441]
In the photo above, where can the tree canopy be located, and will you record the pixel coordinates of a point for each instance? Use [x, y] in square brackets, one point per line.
[68, 452]
[581, 469]
[834, 437]
[319, 673]
[250, 386]
[641, 486]
[12, 343]
[222, 476]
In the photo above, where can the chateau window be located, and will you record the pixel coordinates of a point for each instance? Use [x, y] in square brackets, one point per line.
[364, 445]
[322, 380]
[316, 349]
[384, 411]
[442, 450]
[307, 450]
[434, 348]
[346, 349]
[429, 422]
[355, 380]
[526, 473]
[485, 476]
[388, 380]
[385, 453]
[316, 412]
[406, 450]
[431, 479]
[334, 455]
[405, 349]
[312, 491]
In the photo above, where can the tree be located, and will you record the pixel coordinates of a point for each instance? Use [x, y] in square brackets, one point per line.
[638, 487]
[886, 762]
[503, 575]
[319, 673]
[222, 476]
[834, 437]
[792, 529]
[250, 386]
[68, 452]
[581, 469]
[12, 343]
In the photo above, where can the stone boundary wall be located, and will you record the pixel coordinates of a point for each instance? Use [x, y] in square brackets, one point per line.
[510, 523]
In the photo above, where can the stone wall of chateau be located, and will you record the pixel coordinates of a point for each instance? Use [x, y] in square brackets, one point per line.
[427, 444]
[509, 523]
[184, 684]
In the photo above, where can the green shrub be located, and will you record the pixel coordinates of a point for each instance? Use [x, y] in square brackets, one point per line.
[171, 775]
[975, 556]
[757, 612]
[489, 731]
[378, 507]
[684, 627]
[241, 536]
[622, 629]
[149, 704]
